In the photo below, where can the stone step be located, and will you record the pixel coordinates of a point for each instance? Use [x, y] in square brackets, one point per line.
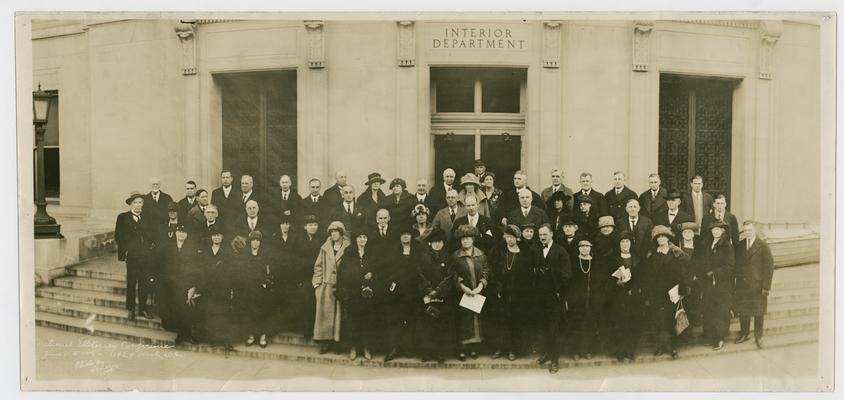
[304, 354]
[83, 296]
[793, 296]
[289, 352]
[91, 284]
[795, 309]
[128, 333]
[99, 269]
[103, 314]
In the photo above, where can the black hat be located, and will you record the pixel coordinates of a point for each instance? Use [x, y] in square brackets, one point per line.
[406, 228]
[512, 230]
[558, 196]
[180, 227]
[215, 229]
[374, 177]
[528, 225]
[673, 194]
[398, 181]
[465, 231]
[627, 235]
[172, 206]
[132, 196]
[255, 235]
[585, 199]
[436, 235]
[567, 219]
[310, 218]
[284, 219]
[479, 163]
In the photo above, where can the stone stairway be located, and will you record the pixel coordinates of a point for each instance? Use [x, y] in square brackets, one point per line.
[91, 298]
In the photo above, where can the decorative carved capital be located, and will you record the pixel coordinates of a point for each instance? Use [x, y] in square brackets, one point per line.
[406, 40]
[770, 32]
[316, 43]
[186, 32]
[551, 44]
[641, 45]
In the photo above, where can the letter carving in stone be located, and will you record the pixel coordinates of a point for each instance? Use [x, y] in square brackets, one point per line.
[186, 33]
[641, 45]
[316, 43]
[551, 44]
[406, 44]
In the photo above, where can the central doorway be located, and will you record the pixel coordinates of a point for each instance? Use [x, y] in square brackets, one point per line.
[478, 113]
[259, 126]
[695, 132]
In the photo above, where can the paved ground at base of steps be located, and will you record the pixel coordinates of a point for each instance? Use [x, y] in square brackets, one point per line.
[104, 364]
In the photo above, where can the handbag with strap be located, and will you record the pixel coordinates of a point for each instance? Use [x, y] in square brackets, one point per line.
[681, 320]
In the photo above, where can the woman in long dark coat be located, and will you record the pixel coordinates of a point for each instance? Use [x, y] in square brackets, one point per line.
[182, 274]
[663, 270]
[625, 300]
[356, 293]
[471, 273]
[217, 301]
[510, 293]
[557, 206]
[435, 324]
[400, 284]
[307, 247]
[586, 299]
[718, 284]
[693, 251]
[256, 282]
[292, 287]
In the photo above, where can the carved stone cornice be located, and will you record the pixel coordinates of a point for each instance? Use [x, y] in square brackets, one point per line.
[641, 45]
[186, 32]
[406, 44]
[315, 32]
[770, 32]
[551, 44]
[733, 23]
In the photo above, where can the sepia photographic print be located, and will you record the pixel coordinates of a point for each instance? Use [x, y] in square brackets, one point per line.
[493, 201]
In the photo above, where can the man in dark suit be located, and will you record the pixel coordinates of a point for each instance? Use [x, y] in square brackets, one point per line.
[285, 202]
[754, 273]
[599, 204]
[557, 185]
[617, 197]
[526, 211]
[511, 199]
[252, 221]
[439, 191]
[639, 225]
[247, 192]
[697, 203]
[553, 272]
[202, 232]
[188, 202]
[348, 212]
[719, 213]
[155, 204]
[672, 216]
[444, 219]
[423, 197]
[133, 233]
[334, 194]
[653, 200]
[314, 202]
[383, 237]
[227, 198]
[196, 215]
[482, 223]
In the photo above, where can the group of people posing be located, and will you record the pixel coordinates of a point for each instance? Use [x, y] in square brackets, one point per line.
[458, 269]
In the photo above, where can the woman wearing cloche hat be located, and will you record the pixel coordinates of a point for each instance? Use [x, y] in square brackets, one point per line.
[717, 284]
[471, 274]
[470, 186]
[510, 294]
[327, 319]
[664, 270]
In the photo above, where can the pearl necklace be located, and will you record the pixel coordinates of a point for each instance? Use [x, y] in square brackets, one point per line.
[585, 271]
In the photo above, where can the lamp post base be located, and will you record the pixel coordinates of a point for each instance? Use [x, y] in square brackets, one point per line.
[48, 231]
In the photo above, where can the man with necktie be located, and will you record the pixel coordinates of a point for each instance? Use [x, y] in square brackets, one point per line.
[444, 219]
[639, 226]
[188, 202]
[133, 233]
[672, 216]
[599, 204]
[348, 212]
[313, 203]
[618, 196]
[754, 273]
[697, 202]
[653, 200]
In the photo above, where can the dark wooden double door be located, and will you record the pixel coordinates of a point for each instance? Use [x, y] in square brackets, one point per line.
[259, 126]
[500, 153]
[695, 132]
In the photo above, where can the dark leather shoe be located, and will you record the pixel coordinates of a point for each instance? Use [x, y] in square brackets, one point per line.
[473, 355]
[461, 356]
[496, 355]
[759, 343]
[674, 355]
[719, 345]
[554, 367]
[146, 314]
[588, 356]
[742, 339]
[323, 349]
[511, 356]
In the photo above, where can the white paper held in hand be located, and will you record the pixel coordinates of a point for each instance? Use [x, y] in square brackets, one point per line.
[674, 294]
[474, 303]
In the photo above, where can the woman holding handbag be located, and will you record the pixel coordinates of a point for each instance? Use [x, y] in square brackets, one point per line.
[435, 325]
[662, 272]
[355, 281]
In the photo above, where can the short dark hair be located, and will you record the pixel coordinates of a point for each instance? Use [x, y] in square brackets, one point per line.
[190, 183]
[721, 196]
[546, 225]
[696, 177]
[224, 171]
[200, 191]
